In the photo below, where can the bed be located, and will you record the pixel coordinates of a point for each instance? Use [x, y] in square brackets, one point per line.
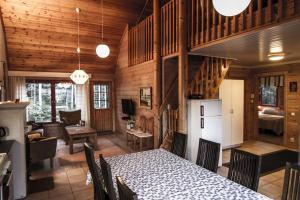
[271, 119]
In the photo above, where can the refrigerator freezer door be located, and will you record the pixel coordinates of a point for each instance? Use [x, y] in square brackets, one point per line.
[212, 130]
[211, 108]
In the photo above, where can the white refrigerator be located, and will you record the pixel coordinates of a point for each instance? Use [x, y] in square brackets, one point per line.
[204, 121]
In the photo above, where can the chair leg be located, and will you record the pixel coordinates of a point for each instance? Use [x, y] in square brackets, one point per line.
[51, 163]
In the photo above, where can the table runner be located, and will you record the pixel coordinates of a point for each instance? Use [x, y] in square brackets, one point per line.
[161, 175]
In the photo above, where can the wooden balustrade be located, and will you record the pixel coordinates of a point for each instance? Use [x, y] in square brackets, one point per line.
[169, 28]
[140, 42]
[207, 25]
[208, 78]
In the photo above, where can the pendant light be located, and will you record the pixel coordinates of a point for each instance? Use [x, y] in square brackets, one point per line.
[102, 49]
[79, 76]
[230, 7]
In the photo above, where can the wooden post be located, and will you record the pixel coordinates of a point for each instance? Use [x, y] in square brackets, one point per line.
[157, 70]
[182, 69]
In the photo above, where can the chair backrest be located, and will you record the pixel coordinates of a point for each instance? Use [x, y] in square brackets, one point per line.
[150, 125]
[70, 117]
[54, 130]
[208, 155]
[43, 149]
[125, 193]
[106, 173]
[244, 168]
[99, 192]
[291, 184]
[142, 123]
[179, 144]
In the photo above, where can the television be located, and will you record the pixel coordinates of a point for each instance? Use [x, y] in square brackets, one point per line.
[128, 107]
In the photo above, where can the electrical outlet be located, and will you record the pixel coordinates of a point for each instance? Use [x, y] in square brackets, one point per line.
[292, 139]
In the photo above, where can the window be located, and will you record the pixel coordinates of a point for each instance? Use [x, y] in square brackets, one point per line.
[39, 95]
[47, 98]
[269, 96]
[65, 96]
[101, 96]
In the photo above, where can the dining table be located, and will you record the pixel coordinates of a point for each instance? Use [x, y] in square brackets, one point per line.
[160, 175]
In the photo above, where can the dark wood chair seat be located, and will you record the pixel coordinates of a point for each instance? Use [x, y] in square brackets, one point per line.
[179, 144]
[208, 155]
[125, 193]
[244, 168]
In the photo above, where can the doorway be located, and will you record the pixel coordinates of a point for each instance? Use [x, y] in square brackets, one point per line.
[101, 106]
[271, 109]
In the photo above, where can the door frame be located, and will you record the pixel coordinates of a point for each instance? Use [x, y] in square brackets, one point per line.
[256, 103]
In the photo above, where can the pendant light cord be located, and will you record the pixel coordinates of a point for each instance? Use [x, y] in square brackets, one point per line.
[102, 18]
[78, 29]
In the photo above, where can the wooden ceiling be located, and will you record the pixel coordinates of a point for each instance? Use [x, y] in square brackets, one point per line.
[42, 34]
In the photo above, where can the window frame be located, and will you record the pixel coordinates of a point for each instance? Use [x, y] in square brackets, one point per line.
[108, 100]
[268, 105]
[52, 94]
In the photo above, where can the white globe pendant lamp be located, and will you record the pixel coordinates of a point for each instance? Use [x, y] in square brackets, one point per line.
[102, 50]
[230, 7]
[79, 76]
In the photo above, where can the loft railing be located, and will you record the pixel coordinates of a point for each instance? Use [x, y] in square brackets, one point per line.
[140, 42]
[169, 28]
[207, 25]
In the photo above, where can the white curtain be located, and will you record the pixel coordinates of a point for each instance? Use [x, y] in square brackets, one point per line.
[17, 88]
[83, 101]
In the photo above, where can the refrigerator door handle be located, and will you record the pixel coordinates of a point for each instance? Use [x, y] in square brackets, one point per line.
[202, 110]
[202, 123]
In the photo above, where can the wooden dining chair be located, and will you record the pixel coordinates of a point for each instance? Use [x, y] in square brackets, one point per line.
[108, 182]
[179, 144]
[125, 193]
[208, 155]
[244, 168]
[99, 192]
[291, 184]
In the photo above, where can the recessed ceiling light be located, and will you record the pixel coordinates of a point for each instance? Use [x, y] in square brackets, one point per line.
[276, 56]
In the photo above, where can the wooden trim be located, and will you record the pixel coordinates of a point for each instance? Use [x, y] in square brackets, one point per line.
[5, 39]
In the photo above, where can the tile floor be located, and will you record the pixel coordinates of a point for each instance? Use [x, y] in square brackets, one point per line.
[70, 170]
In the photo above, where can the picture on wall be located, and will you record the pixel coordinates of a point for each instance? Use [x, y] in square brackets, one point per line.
[146, 97]
[293, 86]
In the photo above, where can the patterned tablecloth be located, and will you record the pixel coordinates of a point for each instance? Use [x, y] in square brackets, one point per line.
[161, 175]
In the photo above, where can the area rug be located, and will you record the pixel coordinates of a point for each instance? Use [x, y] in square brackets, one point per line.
[40, 185]
[275, 161]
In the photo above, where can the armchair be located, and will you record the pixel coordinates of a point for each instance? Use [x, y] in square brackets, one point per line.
[71, 118]
[43, 149]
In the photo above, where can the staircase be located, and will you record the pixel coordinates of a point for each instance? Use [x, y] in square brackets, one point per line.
[208, 78]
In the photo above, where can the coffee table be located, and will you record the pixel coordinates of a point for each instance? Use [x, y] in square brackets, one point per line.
[81, 132]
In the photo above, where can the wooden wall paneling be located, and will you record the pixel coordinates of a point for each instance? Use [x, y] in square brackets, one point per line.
[52, 25]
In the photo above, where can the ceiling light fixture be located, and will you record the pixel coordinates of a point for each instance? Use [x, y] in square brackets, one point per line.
[230, 7]
[102, 50]
[276, 56]
[79, 76]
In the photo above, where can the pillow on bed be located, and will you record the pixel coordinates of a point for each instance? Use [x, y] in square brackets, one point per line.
[270, 111]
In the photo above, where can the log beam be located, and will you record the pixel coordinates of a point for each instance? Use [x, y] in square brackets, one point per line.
[182, 69]
[157, 70]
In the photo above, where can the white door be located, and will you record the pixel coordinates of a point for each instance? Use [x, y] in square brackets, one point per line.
[237, 116]
[211, 129]
[225, 95]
